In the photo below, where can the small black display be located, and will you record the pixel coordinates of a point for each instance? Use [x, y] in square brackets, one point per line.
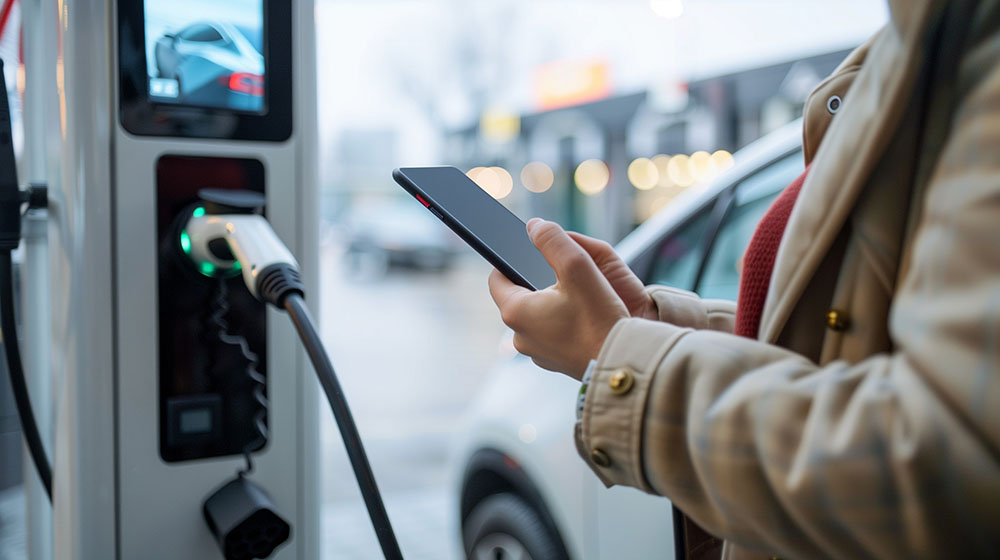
[196, 421]
[207, 53]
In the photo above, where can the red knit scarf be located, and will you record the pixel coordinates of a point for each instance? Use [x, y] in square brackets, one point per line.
[758, 262]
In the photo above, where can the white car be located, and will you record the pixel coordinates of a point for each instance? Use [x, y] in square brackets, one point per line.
[523, 491]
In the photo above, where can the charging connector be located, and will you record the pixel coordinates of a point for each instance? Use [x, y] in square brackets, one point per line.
[240, 242]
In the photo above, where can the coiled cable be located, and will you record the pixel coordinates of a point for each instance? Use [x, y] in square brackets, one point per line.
[220, 306]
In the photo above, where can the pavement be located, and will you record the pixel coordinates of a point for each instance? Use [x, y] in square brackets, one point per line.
[411, 349]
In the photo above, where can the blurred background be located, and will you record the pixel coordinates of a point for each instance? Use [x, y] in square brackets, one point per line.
[593, 113]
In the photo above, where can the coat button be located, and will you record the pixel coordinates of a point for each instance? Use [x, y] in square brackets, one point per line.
[834, 104]
[600, 458]
[837, 320]
[621, 382]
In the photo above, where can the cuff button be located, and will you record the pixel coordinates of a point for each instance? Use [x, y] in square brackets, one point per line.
[621, 382]
[837, 321]
[600, 458]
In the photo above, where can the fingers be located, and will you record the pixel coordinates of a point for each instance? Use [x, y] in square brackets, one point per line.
[623, 280]
[596, 247]
[507, 296]
[605, 257]
[601, 252]
[564, 255]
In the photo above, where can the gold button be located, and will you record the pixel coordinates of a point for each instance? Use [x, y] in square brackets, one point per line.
[837, 320]
[621, 381]
[600, 458]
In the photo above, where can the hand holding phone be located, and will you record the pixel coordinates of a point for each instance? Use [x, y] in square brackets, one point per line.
[480, 220]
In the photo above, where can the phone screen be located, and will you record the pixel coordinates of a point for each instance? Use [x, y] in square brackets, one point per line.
[479, 219]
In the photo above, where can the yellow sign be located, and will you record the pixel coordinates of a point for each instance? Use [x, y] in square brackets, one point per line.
[499, 126]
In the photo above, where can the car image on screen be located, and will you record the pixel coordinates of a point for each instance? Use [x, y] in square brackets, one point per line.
[213, 64]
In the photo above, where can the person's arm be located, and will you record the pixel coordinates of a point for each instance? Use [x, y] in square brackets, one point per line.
[895, 456]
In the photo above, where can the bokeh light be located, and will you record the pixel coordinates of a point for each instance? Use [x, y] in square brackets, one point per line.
[537, 177]
[700, 163]
[679, 170]
[592, 176]
[643, 174]
[662, 161]
[721, 161]
[506, 182]
[496, 181]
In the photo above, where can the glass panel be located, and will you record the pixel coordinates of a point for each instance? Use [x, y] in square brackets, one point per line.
[677, 259]
[753, 197]
[202, 34]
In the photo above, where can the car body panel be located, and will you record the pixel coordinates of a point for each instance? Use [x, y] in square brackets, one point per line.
[202, 68]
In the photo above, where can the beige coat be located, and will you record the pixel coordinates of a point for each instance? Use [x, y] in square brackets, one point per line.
[865, 421]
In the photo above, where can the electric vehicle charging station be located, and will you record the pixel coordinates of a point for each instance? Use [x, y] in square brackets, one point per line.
[155, 408]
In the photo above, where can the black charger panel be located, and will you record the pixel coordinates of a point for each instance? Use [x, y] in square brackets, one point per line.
[212, 331]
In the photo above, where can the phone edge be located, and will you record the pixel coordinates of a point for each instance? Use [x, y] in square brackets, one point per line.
[462, 231]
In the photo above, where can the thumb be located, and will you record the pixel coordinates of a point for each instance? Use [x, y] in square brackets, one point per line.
[568, 259]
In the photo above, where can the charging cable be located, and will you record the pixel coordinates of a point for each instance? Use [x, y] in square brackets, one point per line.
[11, 200]
[239, 343]
[272, 276]
[22, 400]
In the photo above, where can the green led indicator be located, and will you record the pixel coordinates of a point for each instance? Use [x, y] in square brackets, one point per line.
[237, 266]
[198, 212]
[208, 269]
[186, 242]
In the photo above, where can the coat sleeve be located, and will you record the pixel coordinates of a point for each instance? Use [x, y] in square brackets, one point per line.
[687, 309]
[896, 456]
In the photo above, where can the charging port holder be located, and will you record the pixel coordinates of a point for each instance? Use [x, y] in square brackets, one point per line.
[207, 405]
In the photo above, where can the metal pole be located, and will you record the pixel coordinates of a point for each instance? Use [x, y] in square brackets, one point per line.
[34, 280]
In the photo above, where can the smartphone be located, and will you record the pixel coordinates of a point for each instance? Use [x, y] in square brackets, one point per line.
[480, 220]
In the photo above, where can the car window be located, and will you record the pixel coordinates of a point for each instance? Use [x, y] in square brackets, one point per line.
[677, 259]
[201, 33]
[721, 279]
[253, 34]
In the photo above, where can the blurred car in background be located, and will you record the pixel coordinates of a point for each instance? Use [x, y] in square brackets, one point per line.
[523, 490]
[212, 63]
[398, 233]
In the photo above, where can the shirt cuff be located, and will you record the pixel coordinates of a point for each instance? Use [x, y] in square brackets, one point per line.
[688, 309]
[609, 434]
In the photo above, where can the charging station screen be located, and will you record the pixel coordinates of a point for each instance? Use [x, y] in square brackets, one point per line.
[206, 53]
